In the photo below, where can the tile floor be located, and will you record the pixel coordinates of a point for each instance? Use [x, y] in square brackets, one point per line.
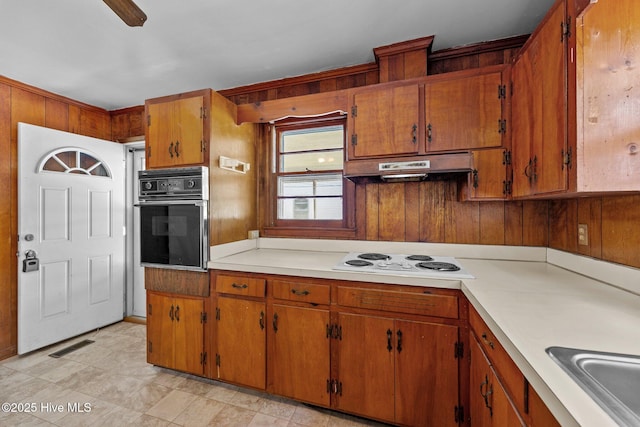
[109, 383]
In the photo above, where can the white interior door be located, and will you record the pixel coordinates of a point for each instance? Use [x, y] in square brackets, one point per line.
[71, 217]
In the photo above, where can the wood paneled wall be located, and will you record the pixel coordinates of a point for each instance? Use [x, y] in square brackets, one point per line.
[612, 221]
[430, 211]
[127, 124]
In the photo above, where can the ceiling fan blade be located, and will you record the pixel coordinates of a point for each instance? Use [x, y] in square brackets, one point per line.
[128, 11]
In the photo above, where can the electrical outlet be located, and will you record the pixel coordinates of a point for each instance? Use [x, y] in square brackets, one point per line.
[253, 234]
[583, 234]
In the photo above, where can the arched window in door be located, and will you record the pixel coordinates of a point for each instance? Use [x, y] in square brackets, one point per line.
[74, 161]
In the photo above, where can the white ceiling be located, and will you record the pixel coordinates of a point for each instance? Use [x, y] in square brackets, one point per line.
[82, 50]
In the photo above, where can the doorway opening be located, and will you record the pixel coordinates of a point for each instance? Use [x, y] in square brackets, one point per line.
[135, 295]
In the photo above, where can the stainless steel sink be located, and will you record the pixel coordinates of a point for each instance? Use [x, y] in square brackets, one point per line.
[611, 379]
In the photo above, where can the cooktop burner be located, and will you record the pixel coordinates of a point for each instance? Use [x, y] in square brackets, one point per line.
[419, 258]
[398, 264]
[439, 266]
[374, 256]
[358, 262]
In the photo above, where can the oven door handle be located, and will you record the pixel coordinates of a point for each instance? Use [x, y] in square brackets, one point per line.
[170, 202]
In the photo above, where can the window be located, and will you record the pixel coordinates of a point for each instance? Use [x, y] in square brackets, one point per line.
[309, 185]
[74, 161]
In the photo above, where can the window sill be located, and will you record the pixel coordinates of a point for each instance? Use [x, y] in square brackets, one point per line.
[310, 232]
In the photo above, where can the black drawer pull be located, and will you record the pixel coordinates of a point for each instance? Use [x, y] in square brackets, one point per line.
[236, 286]
[300, 293]
[484, 338]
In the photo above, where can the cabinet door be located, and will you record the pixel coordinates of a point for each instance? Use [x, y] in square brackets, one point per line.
[159, 134]
[539, 111]
[426, 379]
[526, 108]
[489, 180]
[241, 342]
[175, 134]
[385, 122]
[490, 404]
[299, 354]
[480, 376]
[464, 113]
[366, 356]
[503, 410]
[188, 335]
[160, 330]
[552, 175]
[188, 131]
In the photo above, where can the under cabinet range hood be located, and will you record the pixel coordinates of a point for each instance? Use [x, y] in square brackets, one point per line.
[418, 168]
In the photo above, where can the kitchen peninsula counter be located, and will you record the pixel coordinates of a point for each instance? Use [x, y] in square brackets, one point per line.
[531, 299]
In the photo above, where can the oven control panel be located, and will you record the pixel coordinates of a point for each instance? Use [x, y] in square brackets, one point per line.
[177, 183]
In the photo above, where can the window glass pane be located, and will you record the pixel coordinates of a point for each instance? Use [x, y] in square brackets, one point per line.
[329, 208]
[314, 161]
[317, 138]
[310, 185]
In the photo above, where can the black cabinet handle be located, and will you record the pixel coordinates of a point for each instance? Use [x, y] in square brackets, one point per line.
[275, 322]
[300, 293]
[389, 335]
[171, 313]
[171, 150]
[485, 395]
[177, 149]
[414, 133]
[243, 286]
[177, 313]
[261, 320]
[399, 334]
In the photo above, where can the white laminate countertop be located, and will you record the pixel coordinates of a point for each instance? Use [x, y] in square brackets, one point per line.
[531, 298]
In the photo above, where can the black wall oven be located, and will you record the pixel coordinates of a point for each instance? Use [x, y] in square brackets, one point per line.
[174, 230]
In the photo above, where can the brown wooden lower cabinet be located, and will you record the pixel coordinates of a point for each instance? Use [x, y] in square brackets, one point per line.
[241, 336]
[490, 406]
[365, 377]
[396, 370]
[392, 353]
[299, 353]
[240, 330]
[500, 395]
[343, 346]
[175, 332]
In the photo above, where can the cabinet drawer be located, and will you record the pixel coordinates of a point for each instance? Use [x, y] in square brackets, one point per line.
[404, 302]
[507, 370]
[303, 292]
[238, 285]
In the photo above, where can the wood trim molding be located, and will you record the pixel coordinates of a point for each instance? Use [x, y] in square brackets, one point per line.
[298, 106]
[482, 47]
[47, 94]
[307, 78]
[403, 47]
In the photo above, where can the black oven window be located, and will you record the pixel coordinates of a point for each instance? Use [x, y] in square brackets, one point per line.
[172, 234]
[170, 226]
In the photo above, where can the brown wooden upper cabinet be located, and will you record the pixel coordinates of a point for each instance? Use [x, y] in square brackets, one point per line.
[443, 113]
[465, 111]
[575, 102]
[175, 131]
[539, 110]
[384, 121]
